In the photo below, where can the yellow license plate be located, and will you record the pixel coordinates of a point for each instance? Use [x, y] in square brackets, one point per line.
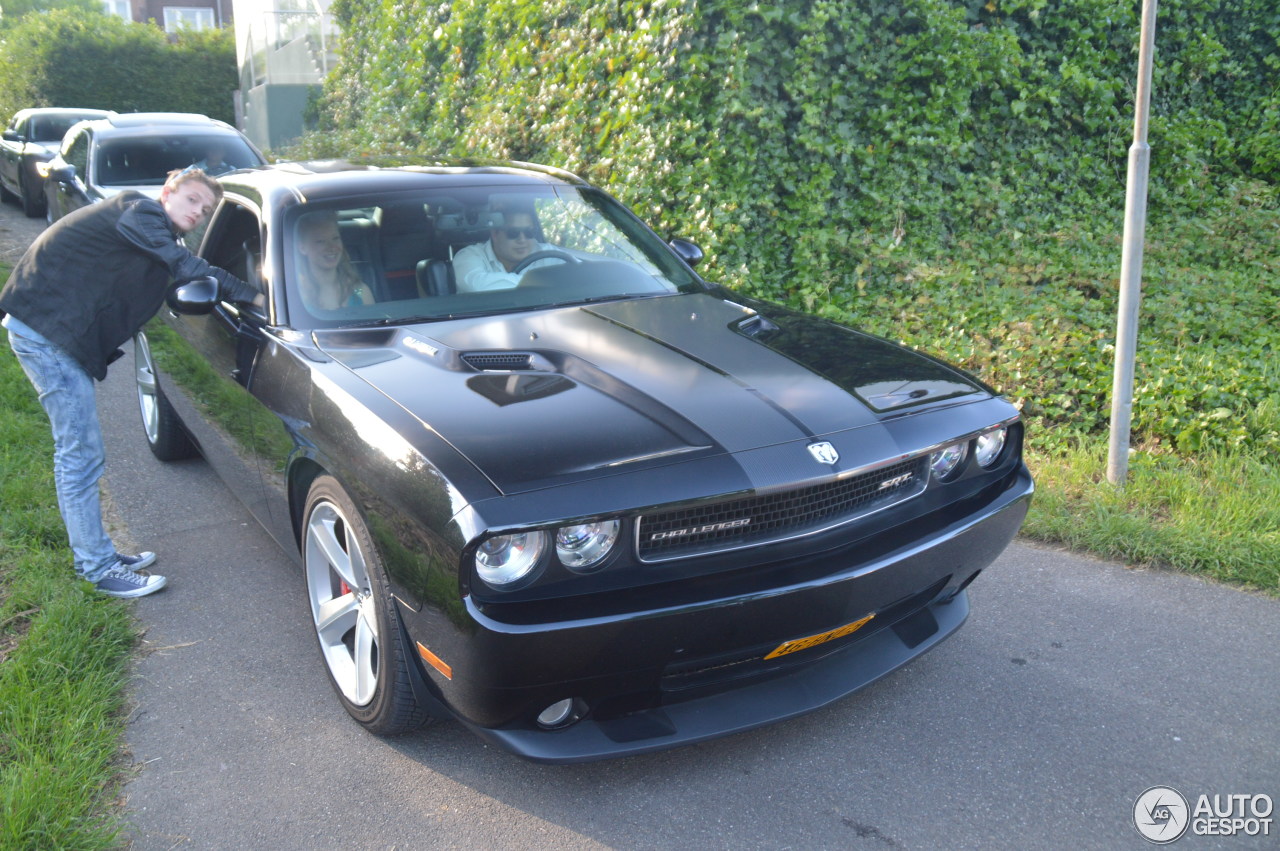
[797, 644]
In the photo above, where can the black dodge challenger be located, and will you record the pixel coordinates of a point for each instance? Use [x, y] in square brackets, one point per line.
[544, 479]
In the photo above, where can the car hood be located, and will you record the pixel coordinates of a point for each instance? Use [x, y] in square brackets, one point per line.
[534, 399]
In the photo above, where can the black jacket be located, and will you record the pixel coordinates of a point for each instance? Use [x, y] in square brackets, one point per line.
[94, 278]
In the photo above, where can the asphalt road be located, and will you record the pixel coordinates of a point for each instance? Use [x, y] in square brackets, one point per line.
[1075, 686]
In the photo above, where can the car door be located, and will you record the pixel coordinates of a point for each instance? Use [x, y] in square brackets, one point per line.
[206, 366]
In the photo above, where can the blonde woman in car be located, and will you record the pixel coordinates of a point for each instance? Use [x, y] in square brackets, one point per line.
[326, 278]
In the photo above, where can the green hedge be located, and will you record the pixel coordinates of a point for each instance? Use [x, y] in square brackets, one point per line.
[905, 119]
[950, 174]
[74, 58]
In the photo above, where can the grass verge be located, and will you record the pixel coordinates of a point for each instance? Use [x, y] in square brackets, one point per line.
[64, 654]
[1215, 514]
[1034, 314]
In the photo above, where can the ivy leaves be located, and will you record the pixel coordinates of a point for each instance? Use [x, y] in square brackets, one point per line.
[936, 170]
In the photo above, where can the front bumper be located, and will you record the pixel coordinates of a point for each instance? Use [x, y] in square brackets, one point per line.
[742, 708]
[658, 678]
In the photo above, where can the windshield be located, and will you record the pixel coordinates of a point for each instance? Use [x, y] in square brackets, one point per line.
[147, 160]
[467, 251]
[51, 128]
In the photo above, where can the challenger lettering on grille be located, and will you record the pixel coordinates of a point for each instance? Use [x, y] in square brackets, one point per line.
[716, 526]
[700, 530]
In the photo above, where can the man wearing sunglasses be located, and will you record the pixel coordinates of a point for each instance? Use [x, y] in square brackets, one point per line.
[489, 265]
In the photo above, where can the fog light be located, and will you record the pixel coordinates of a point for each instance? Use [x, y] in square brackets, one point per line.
[562, 713]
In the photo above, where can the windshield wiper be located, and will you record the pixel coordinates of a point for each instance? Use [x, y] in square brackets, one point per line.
[396, 320]
[596, 299]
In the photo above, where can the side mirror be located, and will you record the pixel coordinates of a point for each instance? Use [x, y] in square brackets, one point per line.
[686, 251]
[193, 297]
[58, 174]
[12, 136]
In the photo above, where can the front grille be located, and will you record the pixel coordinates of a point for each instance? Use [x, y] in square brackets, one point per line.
[755, 520]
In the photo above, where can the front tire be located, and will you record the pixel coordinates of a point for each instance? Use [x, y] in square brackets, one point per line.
[355, 617]
[31, 207]
[165, 436]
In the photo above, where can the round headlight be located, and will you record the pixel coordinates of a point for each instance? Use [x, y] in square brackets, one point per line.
[987, 448]
[584, 546]
[505, 559]
[945, 461]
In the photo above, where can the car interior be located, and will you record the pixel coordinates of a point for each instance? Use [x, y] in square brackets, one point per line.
[413, 246]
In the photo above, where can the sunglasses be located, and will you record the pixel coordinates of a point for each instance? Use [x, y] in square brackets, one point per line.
[515, 233]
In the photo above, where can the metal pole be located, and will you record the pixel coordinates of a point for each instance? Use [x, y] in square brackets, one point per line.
[1135, 226]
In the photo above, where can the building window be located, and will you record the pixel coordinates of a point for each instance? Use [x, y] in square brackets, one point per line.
[119, 8]
[188, 18]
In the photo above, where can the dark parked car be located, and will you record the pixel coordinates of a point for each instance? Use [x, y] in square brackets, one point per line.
[602, 508]
[137, 150]
[31, 138]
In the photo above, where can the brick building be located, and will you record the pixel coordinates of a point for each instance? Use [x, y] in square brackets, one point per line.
[172, 15]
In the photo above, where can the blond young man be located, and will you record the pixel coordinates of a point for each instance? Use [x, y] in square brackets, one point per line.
[85, 286]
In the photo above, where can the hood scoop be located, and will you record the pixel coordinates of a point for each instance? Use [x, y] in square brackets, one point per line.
[507, 362]
[756, 326]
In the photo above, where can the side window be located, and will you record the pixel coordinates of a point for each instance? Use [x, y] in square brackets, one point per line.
[78, 154]
[234, 242]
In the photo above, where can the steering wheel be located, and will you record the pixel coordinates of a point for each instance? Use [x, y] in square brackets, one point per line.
[547, 254]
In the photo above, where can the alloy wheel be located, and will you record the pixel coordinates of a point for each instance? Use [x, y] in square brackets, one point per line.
[343, 604]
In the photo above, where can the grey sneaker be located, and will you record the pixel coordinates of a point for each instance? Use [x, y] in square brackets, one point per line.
[123, 582]
[138, 562]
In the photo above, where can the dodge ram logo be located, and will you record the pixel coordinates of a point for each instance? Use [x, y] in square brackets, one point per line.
[824, 453]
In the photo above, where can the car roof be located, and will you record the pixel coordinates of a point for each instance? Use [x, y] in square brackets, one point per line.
[84, 112]
[141, 123]
[107, 131]
[320, 179]
[140, 119]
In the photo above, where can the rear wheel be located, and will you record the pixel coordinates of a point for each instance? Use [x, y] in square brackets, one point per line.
[356, 621]
[165, 435]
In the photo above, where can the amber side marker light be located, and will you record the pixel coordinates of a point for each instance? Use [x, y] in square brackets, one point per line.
[434, 661]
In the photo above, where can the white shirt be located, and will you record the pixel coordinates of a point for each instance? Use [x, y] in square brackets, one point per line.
[476, 268]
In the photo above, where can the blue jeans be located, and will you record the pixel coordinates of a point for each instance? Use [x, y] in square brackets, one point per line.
[67, 394]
